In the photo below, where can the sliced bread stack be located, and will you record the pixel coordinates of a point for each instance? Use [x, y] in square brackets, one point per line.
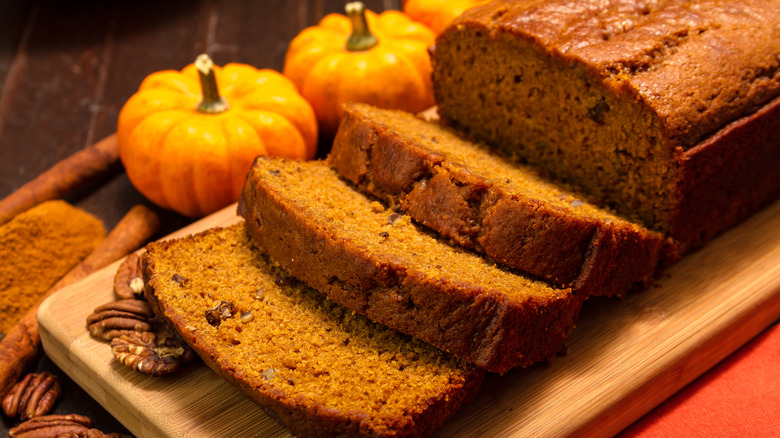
[375, 261]
[386, 232]
[447, 242]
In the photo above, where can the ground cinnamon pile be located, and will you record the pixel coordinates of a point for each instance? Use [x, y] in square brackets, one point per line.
[37, 248]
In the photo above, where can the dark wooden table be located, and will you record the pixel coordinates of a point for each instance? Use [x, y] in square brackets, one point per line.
[67, 67]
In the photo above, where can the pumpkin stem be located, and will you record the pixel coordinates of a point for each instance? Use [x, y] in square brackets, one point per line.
[361, 38]
[212, 102]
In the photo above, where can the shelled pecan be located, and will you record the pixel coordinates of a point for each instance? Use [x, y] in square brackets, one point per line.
[151, 355]
[93, 433]
[52, 426]
[33, 396]
[128, 281]
[59, 426]
[117, 318]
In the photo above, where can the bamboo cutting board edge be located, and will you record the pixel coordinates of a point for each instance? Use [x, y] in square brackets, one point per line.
[64, 346]
[728, 311]
[140, 421]
[726, 336]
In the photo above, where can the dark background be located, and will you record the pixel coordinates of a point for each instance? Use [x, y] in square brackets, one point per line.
[67, 67]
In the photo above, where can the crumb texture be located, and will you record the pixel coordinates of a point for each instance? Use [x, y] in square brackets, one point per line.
[376, 261]
[618, 97]
[291, 348]
[482, 200]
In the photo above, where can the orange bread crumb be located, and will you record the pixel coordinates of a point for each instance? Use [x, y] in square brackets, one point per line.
[480, 200]
[666, 110]
[318, 368]
[377, 262]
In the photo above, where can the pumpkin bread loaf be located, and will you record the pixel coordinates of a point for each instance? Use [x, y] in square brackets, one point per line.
[377, 262]
[317, 368]
[667, 110]
[481, 201]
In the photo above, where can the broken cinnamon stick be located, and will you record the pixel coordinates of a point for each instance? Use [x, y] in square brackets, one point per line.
[62, 178]
[20, 345]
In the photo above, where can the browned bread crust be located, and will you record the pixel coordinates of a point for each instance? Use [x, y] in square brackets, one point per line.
[376, 262]
[462, 191]
[313, 366]
[626, 99]
[727, 177]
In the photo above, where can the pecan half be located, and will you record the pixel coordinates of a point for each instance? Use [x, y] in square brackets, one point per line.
[60, 426]
[128, 281]
[93, 433]
[33, 396]
[52, 426]
[118, 318]
[150, 355]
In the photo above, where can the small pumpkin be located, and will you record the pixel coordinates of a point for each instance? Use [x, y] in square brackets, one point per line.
[438, 14]
[363, 57]
[188, 148]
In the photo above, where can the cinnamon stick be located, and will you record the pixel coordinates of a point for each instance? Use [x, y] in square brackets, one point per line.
[20, 345]
[60, 179]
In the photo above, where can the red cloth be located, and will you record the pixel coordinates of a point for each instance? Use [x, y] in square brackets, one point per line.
[740, 397]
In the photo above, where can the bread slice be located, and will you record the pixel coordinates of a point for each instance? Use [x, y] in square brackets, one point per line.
[317, 368]
[377, 262]
[667, 110]
[483, 201]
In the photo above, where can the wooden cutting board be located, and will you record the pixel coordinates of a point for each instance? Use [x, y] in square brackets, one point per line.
[624, 357]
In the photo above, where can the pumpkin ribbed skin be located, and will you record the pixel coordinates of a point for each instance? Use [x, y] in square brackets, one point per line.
[395, 73]
[195, 163]
[438, 14]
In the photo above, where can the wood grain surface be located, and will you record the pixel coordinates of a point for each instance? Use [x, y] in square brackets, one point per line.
[624, 357]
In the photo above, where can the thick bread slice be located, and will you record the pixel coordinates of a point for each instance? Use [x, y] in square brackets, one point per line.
[482, 201]
[316, 367]
[377, 262]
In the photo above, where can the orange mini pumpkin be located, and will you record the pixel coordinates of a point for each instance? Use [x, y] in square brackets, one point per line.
[188, 148]
[437, 14]
[377, 59]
